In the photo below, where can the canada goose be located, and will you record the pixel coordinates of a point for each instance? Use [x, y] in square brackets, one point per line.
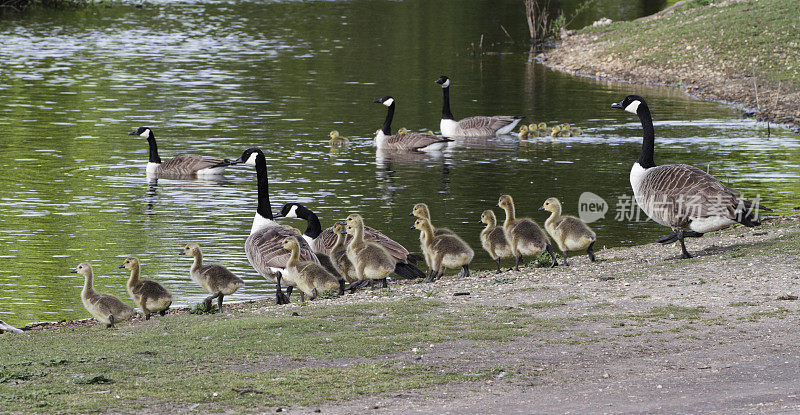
[444, 251]
[679, 195]
[9, 328]
[371, 260]
[479, 126]
[309, 276]
[322, 241]
[336, 140]
[493, 238]
[149, 295]
[524, 235]
[405, 141]
[188, 165]
[215, 279]
[569, 232]
[105, 308]
[264, 248]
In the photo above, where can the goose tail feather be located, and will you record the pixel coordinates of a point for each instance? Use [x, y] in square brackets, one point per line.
[408, 271]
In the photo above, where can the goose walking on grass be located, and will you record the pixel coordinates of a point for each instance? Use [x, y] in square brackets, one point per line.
[478, 126]
[216, 279]
[569, 232]
[105, 308]
[264, 246]
[525, 237]
[149, 295]
[180, 166]
[681, 196]
[443, 251]
[408, 141]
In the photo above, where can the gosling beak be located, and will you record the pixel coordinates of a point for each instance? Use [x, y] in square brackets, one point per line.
[617, 105]
[480, 221]
[73, 271]
[122, 266]
[412, 227]
[182, 252]
[411, 214]
[541, 207]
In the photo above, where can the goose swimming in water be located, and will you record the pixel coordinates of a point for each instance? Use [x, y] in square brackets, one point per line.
[188, 165]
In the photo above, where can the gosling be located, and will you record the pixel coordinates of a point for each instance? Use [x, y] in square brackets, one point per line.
[339, 258]
[493, 238]
[336, 140]
[444, 251]
[371, 260]
[524, 235]
[420, 210]
[149, 295]
[215, 279]
[569, 232]
[310, 277]
[105, 308]
[524, 131]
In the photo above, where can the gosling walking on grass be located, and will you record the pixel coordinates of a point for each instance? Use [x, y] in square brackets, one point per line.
[105, 308]
[569, 232]
[525, 237]
[493, 238]
[149, 295]
[309, 276]
[215, 279]
[444, 251]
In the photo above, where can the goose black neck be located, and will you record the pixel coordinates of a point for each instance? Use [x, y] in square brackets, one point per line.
[264, 209]
[151, 141]
[387, 124]
[648, 137]
[314, 228]
[446, 114]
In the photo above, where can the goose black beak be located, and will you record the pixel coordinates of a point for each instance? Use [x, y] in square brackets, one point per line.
[133, 133]
[237, 161]
[541, 207]
[122, 266]
[73, 271]
[277, 215]
[377, 101]
[617, 105]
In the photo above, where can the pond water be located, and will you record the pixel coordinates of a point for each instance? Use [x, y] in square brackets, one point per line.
[218, 77]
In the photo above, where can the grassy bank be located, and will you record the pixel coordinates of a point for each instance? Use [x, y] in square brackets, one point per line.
[737, 51]
[539, 333]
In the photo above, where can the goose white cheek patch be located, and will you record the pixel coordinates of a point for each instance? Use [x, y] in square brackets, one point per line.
[388, 102]
[145, 133]
[292, 212]
[633, 106]
[446, 84]
[251, 161]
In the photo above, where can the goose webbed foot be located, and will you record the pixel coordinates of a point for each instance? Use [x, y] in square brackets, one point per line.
[464, 271]
[207, 301]
[147, 316]
[162, 313]
[682, 234]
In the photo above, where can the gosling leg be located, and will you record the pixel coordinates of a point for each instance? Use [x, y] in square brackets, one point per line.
[498, 265]
[552, 256]
[565, 258]
[464, 271]
[516, 265]
[302, 297]
[314, 294]
[341, 287]
[590, 251]
[110, 321]
[219, 301]
[207, 301]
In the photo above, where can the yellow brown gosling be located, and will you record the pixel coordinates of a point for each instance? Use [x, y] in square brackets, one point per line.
[493, 238]
[445, 251]
[149, 295]
[371, 260]
[524, 236]
[569, 232]
[420, 210]
[215, 279]
[105, 308]
[339, 257]
[309, 276]
[336, 140]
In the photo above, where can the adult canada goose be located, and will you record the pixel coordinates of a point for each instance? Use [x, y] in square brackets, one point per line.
[149, 295]
[337, 140]
[322, 241]
[188, 165]
[9, 328]
[569, 232]
[679, 195]
[372, 261]
[405, 141]
[480, 126]
[444, 251]
[264, 246]
[309, 276]
[524, 235]
[493, 238]
[215, 279]
[105, 308]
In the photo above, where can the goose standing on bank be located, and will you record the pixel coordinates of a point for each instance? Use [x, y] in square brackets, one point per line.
[149, 295]
[264, 246]
[405, 141]
[309, 276]
[524, 236]
[681, 196]
[493, 238]
[479, 126]
[569, 232]
[443, 251]
[105, 308]
[322, 241]
[216, 279]
[188, 165]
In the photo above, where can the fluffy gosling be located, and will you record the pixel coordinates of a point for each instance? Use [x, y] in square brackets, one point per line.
[105, 308]
[149, 295]
[569, 232]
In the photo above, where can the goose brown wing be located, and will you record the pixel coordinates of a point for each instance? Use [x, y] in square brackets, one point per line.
[191, 163]
[486, 125]
[412, 141]
[265, 250]
[325, 241]
[677, 192]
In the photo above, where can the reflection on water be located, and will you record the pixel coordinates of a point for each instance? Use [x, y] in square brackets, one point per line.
[214, 78]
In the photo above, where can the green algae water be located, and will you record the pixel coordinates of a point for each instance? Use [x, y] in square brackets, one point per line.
[217, 77]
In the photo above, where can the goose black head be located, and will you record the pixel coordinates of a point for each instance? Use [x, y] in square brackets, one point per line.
[631, 104]
[142, 132]
[249, 156]
[292, 210]
[387, 100]
[444, 81]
